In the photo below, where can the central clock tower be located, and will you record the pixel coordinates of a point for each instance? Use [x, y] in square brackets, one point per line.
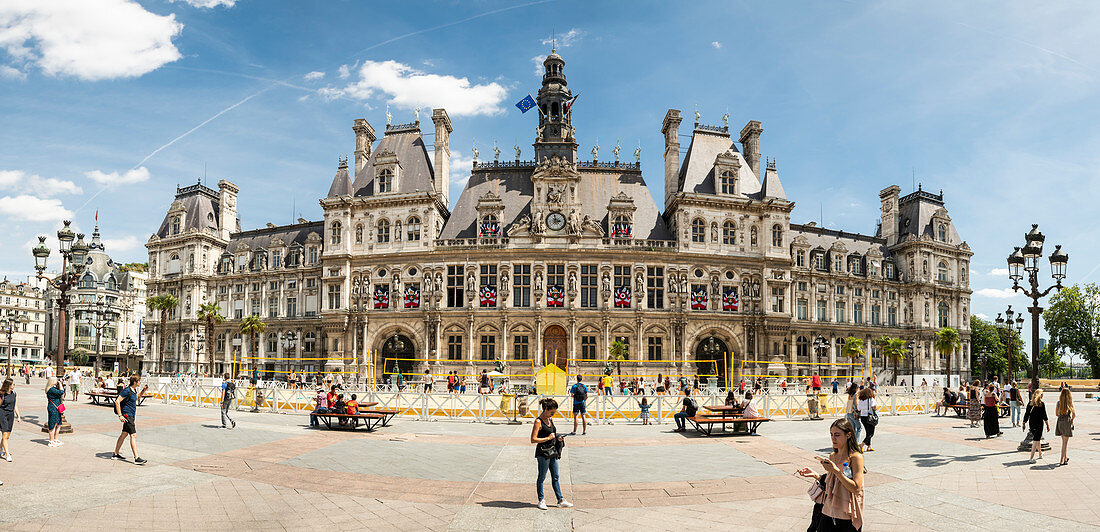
[555, 134]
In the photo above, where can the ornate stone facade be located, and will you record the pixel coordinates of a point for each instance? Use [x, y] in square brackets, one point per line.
[553, 259]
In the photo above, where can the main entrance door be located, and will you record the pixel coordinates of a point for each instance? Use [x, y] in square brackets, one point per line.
[711, 359]
[555, 343]
[394, 349]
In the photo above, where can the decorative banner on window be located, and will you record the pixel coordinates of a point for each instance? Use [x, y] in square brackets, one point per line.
[729, 298]
[698, 297]
[382, 296]
[622, 297]
[488, 296]
[621, 230]
[489, 228]
[555, 295]
[412, 296]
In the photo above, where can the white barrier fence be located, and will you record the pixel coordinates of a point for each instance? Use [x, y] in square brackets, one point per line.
[475, 407]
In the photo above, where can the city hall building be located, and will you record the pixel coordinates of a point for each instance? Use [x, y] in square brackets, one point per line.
[551, 259]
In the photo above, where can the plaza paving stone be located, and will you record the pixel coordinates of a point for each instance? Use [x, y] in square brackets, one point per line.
[275, 473]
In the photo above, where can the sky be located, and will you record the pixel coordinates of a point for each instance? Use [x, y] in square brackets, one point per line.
[107, 105]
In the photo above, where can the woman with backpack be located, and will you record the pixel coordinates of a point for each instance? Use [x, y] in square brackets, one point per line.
[548, 446]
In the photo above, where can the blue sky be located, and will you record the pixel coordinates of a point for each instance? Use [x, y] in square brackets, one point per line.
[108, 104]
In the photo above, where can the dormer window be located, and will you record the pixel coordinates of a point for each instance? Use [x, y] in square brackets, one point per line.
[819, 261]
[175, 225]
[622, 227]
[941, 233]
[727, 182]
[87, 281]
[313, 254]
[800, 258]
[277, 259]
[888, 270]
[838, 263]
[489, 226]
[385, 181]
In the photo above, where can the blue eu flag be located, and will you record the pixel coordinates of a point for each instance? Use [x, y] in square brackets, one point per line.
[526, 104]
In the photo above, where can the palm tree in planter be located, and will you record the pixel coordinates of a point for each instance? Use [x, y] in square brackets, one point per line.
[252, 325]
[163, 305]
[893, 349]
[946, 343]
[210, 315]
[618, 352]
[853, 348]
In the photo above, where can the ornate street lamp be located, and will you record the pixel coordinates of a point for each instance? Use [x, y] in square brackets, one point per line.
[1007, 325]
[821, 344]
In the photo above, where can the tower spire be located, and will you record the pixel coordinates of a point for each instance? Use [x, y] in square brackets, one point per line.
[555, 134]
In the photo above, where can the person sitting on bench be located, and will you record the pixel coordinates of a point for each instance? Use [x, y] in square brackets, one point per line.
[749, 406]
[340, 407]
[688, 410]
[352, 406]
[322, 407]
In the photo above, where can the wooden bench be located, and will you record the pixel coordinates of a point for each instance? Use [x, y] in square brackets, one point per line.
[705, 423]
[372, 418]
[107, 398]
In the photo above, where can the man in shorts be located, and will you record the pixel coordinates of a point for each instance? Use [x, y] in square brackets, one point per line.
[126, 409]
[74, 383]
[580, 394]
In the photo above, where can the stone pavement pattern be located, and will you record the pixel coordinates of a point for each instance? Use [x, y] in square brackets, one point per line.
[273, 473]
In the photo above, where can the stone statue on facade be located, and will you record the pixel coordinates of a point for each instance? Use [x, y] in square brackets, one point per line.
[572, 282]
[389, 117]
[714, 289]
[504, 285]
[496, 153]
[471, 285]
[616, 150]
[639, 283]
[726, 120]
[638, 153]
[590, 224]
[474, 150]
[605, 285]
[416, 115]
[516, 147]
[395, 285]
[538, 281]
[554, 194]
[537, 227]
[523, 223]
[573, 224]
[596, 150]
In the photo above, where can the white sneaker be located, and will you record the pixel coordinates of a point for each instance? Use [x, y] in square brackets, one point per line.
[51, 444]
[60, 443]
[564, 504]
[7, 456]
[542, 505]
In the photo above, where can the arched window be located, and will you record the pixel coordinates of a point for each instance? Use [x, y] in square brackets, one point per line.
[777, 236]
[698, 230]
[941, 271]
[87, 281]
[412, 227]
[336, 228]
[802, 346]
[727, 181]
[112, 284]
[621, 227]
[941, 233]
[175, 225]
[753, 238]
[358, 233]
[174, 263]
[383, 231]
[489, 226]
[729, 233]
[942, 315]
[385, 181]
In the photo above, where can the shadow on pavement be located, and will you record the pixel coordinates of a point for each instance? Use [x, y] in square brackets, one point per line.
[507, 504]
[937, 460]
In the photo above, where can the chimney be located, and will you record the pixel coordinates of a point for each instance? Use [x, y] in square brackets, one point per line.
[750, 145]
[889, 227]
[442, 152]
[364, 139]
[670, 128]
[227, 208]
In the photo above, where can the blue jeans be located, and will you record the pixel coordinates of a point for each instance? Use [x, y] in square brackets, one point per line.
[550, 464]
[680, 418]
[1014, 411]
[856, 425]
[313, 419]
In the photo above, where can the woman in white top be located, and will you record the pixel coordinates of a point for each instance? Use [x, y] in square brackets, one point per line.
[866, 406]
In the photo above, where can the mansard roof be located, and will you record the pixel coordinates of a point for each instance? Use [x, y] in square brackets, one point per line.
[916, 212]
[262, 238]
[852, 243]
[341, 183]
[697, 170]
[406, 143]
[200, 206]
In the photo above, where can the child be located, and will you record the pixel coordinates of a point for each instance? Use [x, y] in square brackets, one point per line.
[340, 406]
[352, 406]
[644, 414]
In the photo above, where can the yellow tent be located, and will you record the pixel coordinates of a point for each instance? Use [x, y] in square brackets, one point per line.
[551, 380]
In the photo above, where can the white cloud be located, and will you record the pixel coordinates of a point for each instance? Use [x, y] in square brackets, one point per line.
[126, 243]
[87, 39]
[343, 72]
[32, 209]
[20, 181]
[999, 271]
[315, 75]
[208, 4]
[8, 72]
[996, 293]
[566, 39]
[717, 45]
[407, 87]
[136, 175]
[539, 68]
[982, 316]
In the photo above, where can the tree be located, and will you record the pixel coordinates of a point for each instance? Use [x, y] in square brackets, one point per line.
[210, 314]
[946, 343]
[892, 349]
[134, 267]
[853, 348]
[618, 352]
[986, 348]
[1050, 363]
[252, 325]
[1070, 320]
[163, 304]
[80, 356]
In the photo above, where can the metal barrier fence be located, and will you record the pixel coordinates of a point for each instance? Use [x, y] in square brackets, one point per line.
[476, 407]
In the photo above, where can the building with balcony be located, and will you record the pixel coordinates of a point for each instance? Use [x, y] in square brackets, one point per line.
[24, 305]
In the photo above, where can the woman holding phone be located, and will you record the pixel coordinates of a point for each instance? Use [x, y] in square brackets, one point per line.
[842, 509]
[548, 446]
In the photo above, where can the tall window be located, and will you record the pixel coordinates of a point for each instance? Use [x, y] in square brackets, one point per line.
[802, 347]
[621, 281]
[727, 182]
[313, 254]
[622, 227]
[385, 181]
[273, 307]
[521, 347]
[800, 258]
[454, 347]
[490, 226]
[589, 277]
[876, 318]
[277, 259]
[383, 231]
[777, 236]
[588, 347]
[455, 291]
[821, 310]
[729, 233]
[942, 314]
[888, 270]
[555, 277]
[336, 228]
[819, 261]
[803, 310]
[412, 228]
[488, 347]
[857, 313]
[941, 233]
[655, 286]
[778, 299]
[838, 263]
[488, 294]
[855, 265]
[333, 296]
[291, 307]
[698, 230]
[176, 225]
[521, 285]
[654, 348]
[941, 272]
[255, 305]
[892, 316]
[840, 312]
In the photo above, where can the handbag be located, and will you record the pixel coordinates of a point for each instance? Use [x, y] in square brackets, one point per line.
[817, 490]
[60, 408]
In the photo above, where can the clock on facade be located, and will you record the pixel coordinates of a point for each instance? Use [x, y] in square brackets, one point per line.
[555, 221]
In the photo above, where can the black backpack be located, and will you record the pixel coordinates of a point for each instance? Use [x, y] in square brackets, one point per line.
[230, 391]
[581, 392]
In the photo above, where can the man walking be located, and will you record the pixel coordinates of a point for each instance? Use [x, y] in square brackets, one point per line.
[580, 394]
[229, 392]
[126, 409]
